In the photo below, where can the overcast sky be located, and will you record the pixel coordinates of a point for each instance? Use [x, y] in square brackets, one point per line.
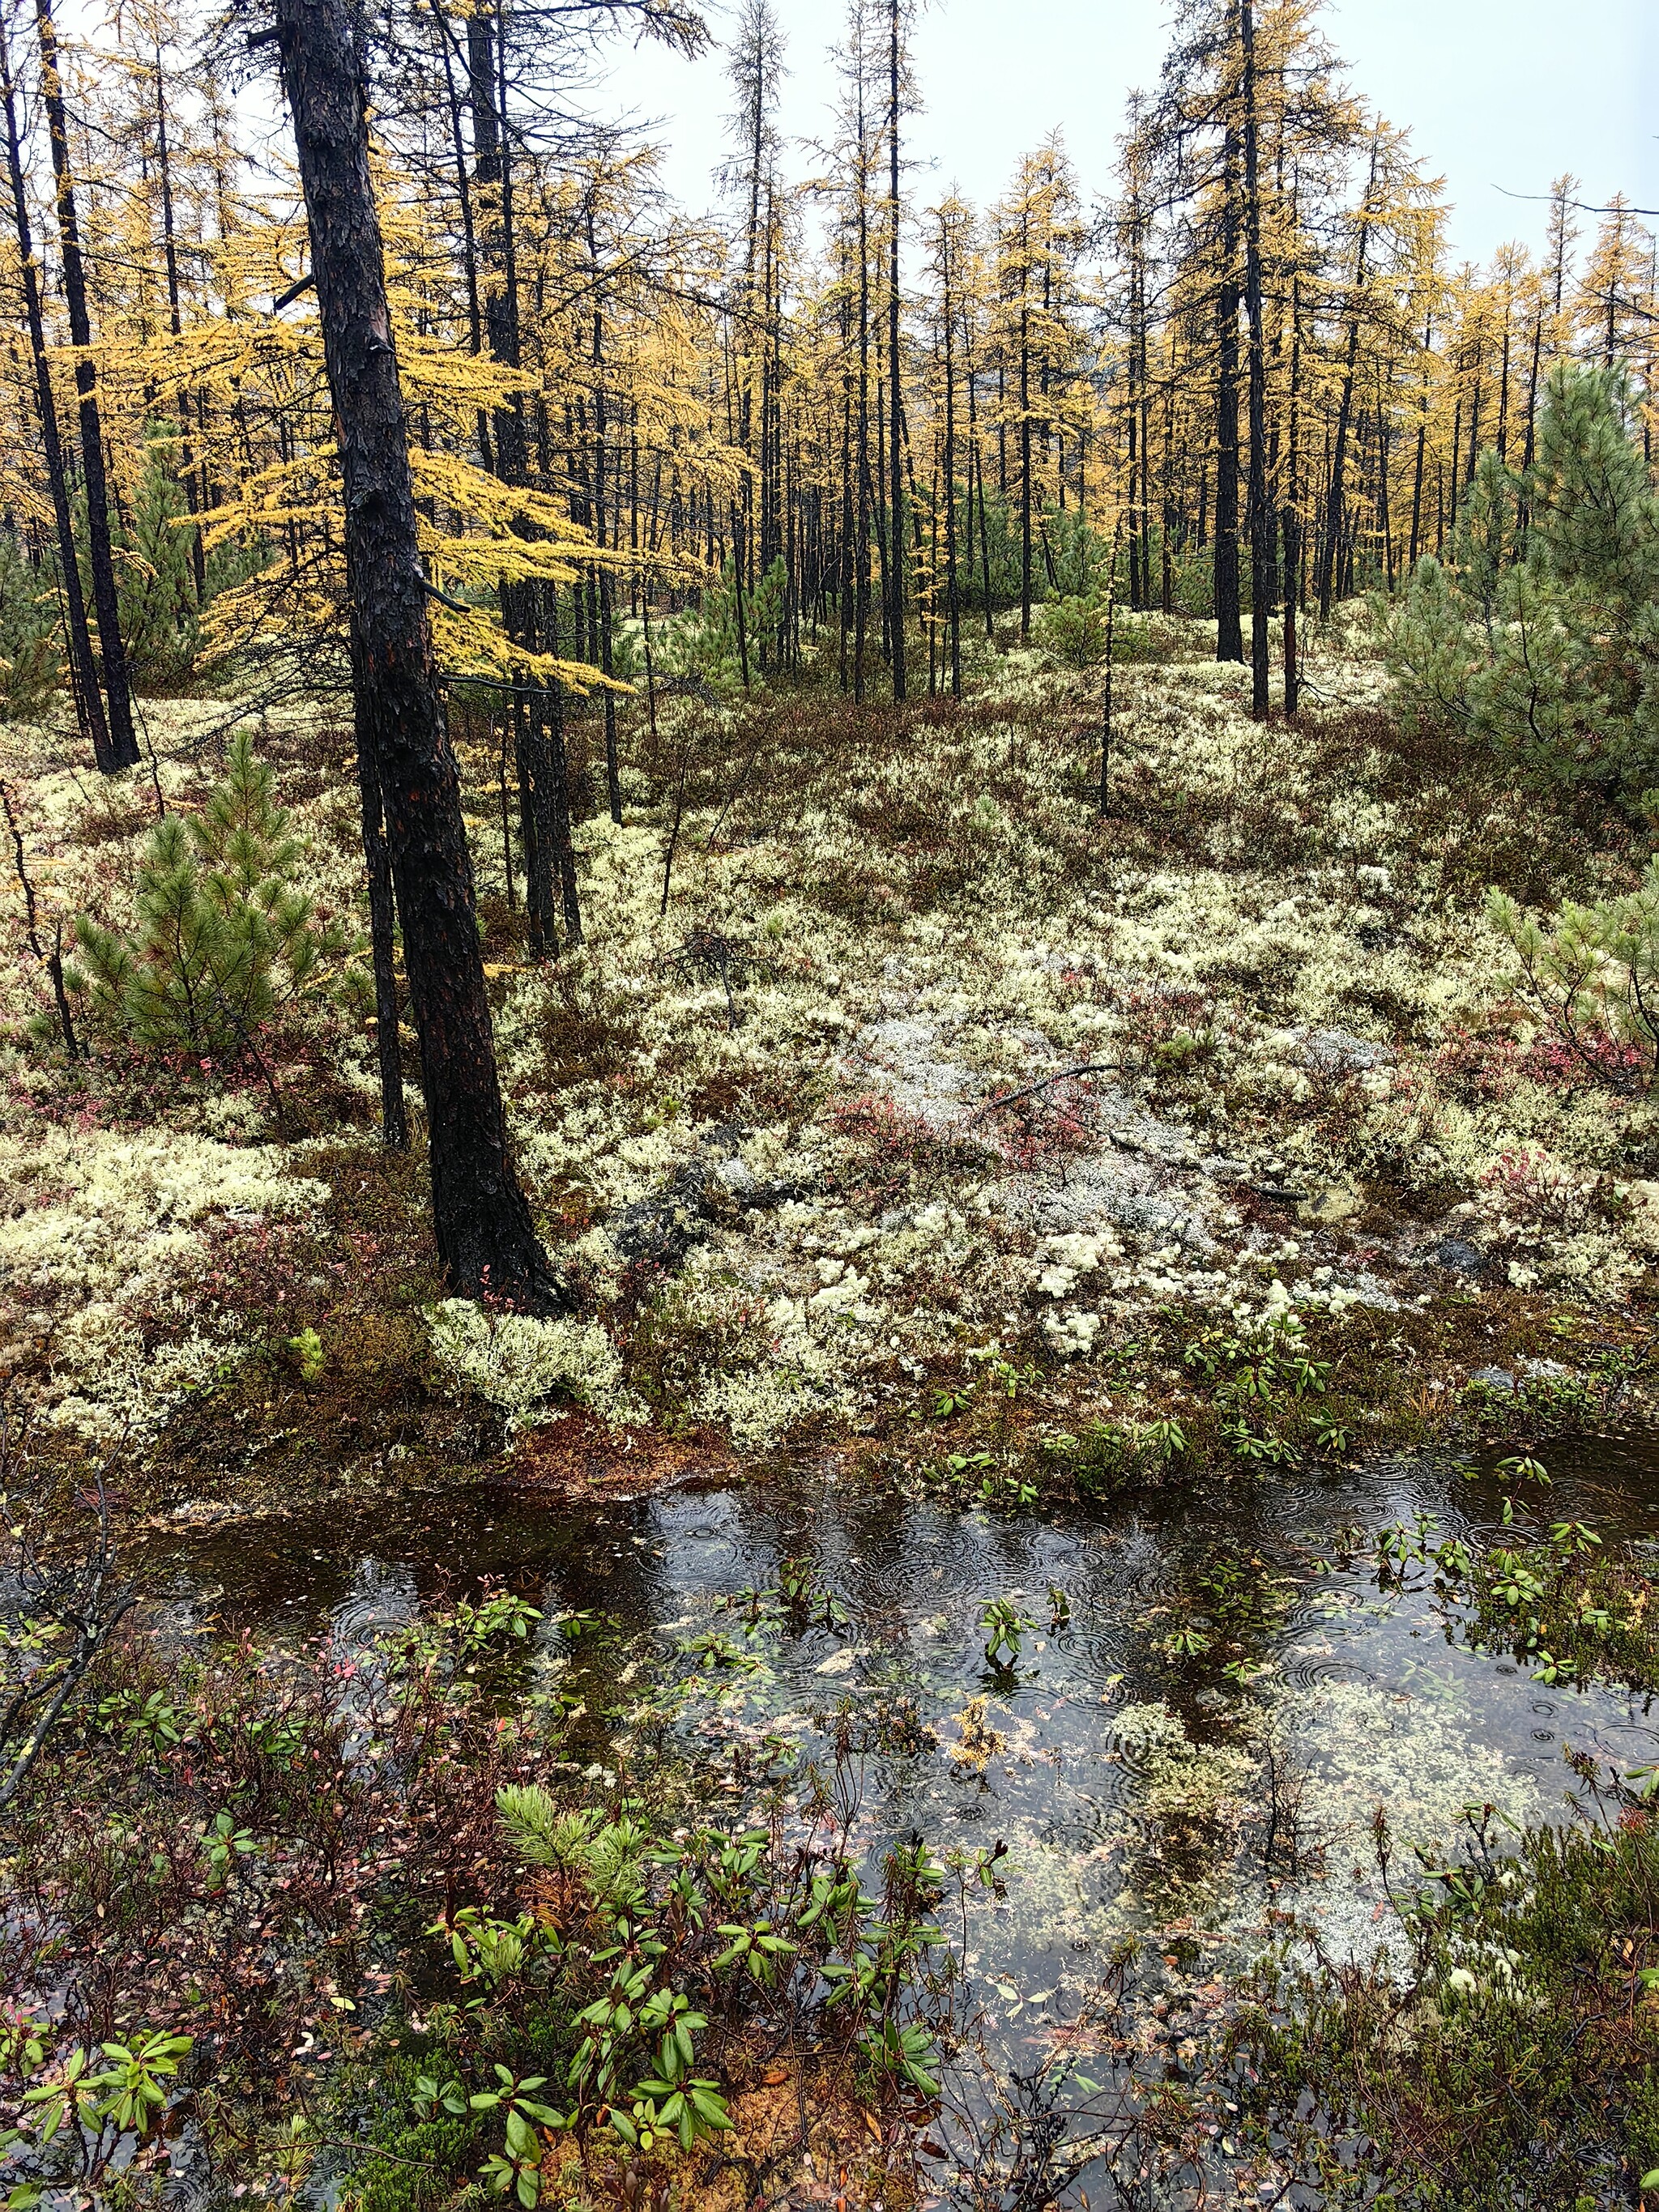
[1495, 93]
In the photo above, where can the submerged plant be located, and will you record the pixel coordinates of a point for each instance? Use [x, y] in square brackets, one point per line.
[1003, 1626]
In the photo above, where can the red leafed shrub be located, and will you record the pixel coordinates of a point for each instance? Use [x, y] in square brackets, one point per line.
[1049, 1125]
[1533, 1182]
[1473, 1066]
[1595, 1057]
[1168, 1024]
[885, 1152]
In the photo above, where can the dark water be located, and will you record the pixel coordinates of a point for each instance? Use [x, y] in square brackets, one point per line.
[1140, 1787]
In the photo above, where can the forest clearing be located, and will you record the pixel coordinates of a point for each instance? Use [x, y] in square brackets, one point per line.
[829, 1165]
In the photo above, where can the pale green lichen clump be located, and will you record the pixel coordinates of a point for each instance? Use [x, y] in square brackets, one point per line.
[520, 1362]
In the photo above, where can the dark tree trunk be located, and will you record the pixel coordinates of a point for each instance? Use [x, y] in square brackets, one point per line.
[1293, 494]
[175, 323]
[123, 738]
[861, 592]
[394, 1122]
[82, 667]
[484, 1233]
[1331, 545]
[612, 764]
[469, 241]
[1229, 627]
[1260, 520]
[1134, 378]
[1024, 457]
[952, 600]
[1422, 447]
[895, 494]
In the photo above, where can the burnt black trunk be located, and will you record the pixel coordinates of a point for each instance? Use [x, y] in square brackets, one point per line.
[895, 483]
[484, 1233]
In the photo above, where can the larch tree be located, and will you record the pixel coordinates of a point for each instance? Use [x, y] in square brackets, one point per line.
[123, 737]
[485, 1236]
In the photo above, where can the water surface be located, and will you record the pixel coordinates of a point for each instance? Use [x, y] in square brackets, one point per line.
[1141, 1786]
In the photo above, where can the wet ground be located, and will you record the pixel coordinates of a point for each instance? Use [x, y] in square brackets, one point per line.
[1204, 1708]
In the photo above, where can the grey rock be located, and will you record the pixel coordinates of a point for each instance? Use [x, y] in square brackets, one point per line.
[1336, 1052]
[1498, 1380]
[1460, 1257]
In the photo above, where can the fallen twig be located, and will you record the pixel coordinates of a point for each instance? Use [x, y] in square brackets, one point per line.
[1014, 1099]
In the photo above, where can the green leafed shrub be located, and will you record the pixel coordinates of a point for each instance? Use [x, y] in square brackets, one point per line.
[221, 938]
[730, 628]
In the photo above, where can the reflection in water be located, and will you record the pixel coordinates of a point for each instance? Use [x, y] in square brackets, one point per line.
[1198, 1727]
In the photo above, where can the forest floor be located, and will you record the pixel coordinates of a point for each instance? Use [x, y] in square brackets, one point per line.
[925, 1073]
[922, 1123]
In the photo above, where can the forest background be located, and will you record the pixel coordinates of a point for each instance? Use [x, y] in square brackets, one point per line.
[669, 399]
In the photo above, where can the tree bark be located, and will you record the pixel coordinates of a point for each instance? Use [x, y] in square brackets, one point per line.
[83, 668]
[1331, 544]
[175, 325]
[123, 737]
[895, 494]
[1257, 511]
[1229, 628]
[612, 764]
[394, 1121]
[1293, 494]
[485, 1236]
[952, 603]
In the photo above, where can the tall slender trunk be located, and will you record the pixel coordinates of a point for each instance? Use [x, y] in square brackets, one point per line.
[1143, 407]
[895, 494]
[468, 236]
[1330, 546]
[175, 325]
[976, 468]
[612, 766]
[1293, 498]
[1523, 505]
[952, 603]
[377, 857]
[861, 588]
[1134, 374]
[485, 1236]
[1259, 519]
[123, 737]
[1228, 629]
[1422, 445]
[83, 669]
[1532, 389]
[539, 718]
[1024, 474]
